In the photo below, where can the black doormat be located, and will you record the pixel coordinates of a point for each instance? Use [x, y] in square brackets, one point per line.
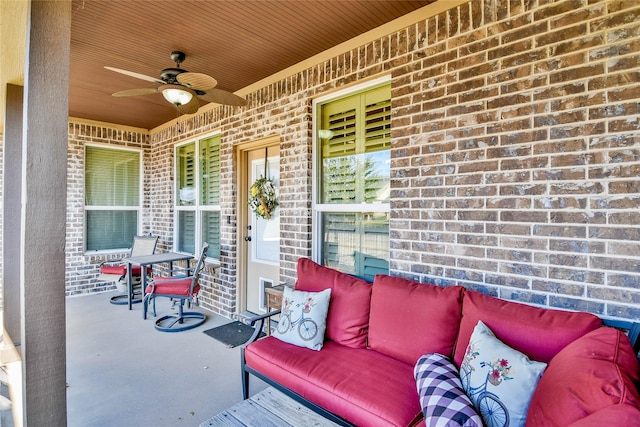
[232, 334]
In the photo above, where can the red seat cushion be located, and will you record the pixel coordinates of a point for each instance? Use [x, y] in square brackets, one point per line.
[169, 286]
[113, 269]
[409, 319]
[121, 269]
[537, 332]
[593, 373]
[360, 385]
[348, 316]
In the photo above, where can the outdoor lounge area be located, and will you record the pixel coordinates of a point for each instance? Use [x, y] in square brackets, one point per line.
[482, 148]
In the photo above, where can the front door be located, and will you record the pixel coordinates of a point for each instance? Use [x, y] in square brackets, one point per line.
[261, 240]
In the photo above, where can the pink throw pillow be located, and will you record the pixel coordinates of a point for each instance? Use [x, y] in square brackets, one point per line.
[537, 332]
[348, 317]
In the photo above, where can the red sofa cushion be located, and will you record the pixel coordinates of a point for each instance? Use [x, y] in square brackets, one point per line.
[592, 373]
[348, 316]
[616, 415]
[537, 332]
[360, 385]
[409, 319]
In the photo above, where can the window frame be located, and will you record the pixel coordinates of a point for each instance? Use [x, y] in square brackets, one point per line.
[198, 208]
[137, 208]
[320, 208]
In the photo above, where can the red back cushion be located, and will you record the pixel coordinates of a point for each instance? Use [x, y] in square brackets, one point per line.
[409, 319]
[348, 316]
[593, 373]
[537, 332]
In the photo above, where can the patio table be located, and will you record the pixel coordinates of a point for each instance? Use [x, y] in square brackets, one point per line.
[149, 260]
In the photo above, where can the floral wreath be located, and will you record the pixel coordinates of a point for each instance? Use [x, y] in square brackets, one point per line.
[263, 199]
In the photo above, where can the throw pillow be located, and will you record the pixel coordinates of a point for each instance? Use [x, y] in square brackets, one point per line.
[443, 401]
[303, 319]
[595, 372]
[499, 380]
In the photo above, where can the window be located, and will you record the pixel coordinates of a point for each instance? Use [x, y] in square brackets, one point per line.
[353, 141]
[198, 196]
[112, 197]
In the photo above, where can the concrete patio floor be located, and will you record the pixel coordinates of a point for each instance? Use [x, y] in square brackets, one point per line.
[122, 372]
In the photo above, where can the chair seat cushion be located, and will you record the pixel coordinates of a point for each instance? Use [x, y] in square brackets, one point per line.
[169, 286]
[113, 269]
[362, 386]
[120, 269]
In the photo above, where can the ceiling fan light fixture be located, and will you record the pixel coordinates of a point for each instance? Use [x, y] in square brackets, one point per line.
[177, 96]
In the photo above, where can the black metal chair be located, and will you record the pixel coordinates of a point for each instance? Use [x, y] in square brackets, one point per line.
[116, 271]
[181, 289]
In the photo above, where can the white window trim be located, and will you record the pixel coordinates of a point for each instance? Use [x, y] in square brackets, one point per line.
[197, 208]
[112, 208]
[318, 208]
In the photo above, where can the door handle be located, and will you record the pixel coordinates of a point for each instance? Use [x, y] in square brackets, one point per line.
[247, 238]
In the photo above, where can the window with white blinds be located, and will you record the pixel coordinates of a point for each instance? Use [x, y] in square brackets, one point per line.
[353, 134]
[112, 197]
[197, 195]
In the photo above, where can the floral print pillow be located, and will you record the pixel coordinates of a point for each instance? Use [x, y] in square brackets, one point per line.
[499, 380]
[303, 318]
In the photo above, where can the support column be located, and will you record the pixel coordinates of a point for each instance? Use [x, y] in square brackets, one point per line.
[44, 168]
[12, 188]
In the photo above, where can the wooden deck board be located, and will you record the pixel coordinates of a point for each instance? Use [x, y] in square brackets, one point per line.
[269, 408]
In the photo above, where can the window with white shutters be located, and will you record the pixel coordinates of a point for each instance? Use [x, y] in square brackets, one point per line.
[198, 195]
[353, 134]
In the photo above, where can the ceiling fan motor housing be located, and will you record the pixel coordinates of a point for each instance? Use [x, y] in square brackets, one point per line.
[169, 75]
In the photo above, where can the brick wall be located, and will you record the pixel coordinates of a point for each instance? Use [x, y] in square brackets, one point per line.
[515, 154]
[516, 150]
[82, 268]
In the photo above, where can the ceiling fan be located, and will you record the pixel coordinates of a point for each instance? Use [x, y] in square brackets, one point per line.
[182, 88]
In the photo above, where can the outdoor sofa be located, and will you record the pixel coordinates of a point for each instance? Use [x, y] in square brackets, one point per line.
[379, 334]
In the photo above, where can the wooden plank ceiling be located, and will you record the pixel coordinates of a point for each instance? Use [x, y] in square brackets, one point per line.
[238, 42]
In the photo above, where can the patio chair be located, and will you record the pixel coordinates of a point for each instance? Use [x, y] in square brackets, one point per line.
[181, 289]
[116, 270]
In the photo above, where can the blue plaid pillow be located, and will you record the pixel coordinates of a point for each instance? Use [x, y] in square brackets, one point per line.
[443, 400]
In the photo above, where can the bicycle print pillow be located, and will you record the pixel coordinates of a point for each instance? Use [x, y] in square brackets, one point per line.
[499, 380]
[303, 319]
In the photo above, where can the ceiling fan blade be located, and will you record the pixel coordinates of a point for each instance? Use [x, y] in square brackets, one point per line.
[190, 107]
[136, 75]
[197, 81]
[136, 92]
[220, 96]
